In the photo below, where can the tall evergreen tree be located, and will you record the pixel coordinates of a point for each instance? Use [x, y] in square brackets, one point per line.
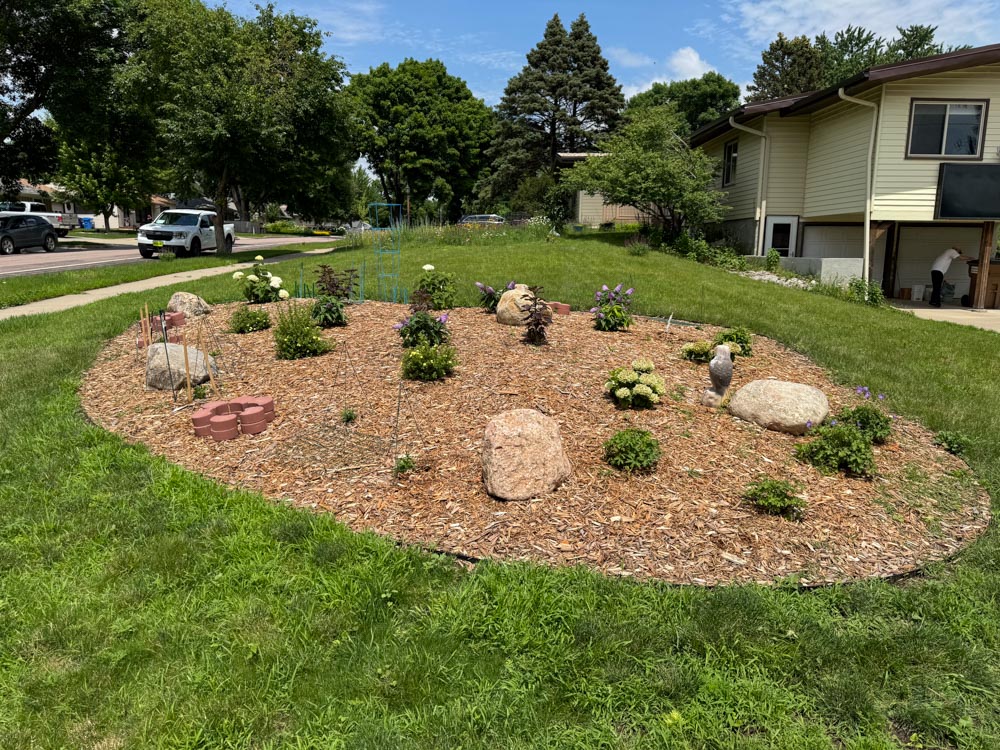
[788, 66]
[564, 99]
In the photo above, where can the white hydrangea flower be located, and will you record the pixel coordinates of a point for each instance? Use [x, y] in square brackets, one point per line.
[252, 277]
[623, 393]
[283, 294]
[276, 282]
[642, 365]
[628, 376]
[238, 275]
[428, 267]
[258, 257]
[641, 389]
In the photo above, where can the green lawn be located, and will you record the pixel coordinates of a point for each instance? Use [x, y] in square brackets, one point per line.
[144, 607]
[20, 290]
[100, 234]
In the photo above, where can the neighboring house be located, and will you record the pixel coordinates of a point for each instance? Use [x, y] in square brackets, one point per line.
[590, 209]
[120, 218]
[893, 166]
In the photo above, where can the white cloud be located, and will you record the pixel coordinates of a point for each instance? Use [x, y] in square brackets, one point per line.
[682, 64]
[357, 22]
[626, 58]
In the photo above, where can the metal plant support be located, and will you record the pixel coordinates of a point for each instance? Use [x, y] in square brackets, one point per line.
[387, 234]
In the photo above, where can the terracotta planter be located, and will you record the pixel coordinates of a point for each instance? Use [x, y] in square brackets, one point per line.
[212, 406]
[265, 402]
[244, 402]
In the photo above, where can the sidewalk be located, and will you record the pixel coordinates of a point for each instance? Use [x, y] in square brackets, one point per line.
[69, 301]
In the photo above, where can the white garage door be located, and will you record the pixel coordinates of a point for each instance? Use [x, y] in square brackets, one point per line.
[842, 242]
[920, 246]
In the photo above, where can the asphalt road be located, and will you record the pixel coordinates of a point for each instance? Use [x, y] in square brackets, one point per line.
[73, 254]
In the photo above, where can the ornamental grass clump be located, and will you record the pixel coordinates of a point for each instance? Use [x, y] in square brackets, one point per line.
[427, 362]
[296, 335]
[611, 313]
[328, 312]
[489, 297]
[439, 287]
[775, 497]
[260, 286]
[248, 320]
[632, 450]
[423, 328]
[635, 387]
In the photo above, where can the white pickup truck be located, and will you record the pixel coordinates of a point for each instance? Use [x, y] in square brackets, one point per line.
[183, 232]
[61, 222]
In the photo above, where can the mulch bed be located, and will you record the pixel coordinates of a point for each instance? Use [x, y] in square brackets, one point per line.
[685, 523]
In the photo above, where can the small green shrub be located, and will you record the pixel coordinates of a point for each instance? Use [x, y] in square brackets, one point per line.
[423, 328]
[739, 336]
[636, 245]
[328, 312]
[348, 416]
[953, 442]
[838, 447]
[248, 320]
[703, 351]
[871, 422]
[632, 450]
[439, 287]
[426, 362]
[283, 227]
[611, 313]
[699, 250]
[776, 497]
[773, 261]
[199, 392]
[636, 387]
[297, 336]
[403, 464]
[865, 294]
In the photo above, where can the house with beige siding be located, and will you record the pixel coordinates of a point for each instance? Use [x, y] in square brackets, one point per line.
[590, 209]
[879, 174]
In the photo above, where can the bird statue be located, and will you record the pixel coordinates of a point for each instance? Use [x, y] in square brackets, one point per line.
[720, 370]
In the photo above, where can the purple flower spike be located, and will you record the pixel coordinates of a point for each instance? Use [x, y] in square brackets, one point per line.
[511, 285]
[443, 318]
[600, 315]
[594, 309]
[618, 288]
[479, 285]
[398, 326]
[881, 397]
[604, 287]
[859, 389]
[629, 291]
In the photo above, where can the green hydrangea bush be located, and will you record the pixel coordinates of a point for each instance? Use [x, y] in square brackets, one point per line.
[739, 336]
[635, 387]
[632, 450]
[260, 285]
[296, 335]
[703, 351]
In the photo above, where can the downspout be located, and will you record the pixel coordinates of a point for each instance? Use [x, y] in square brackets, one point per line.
[866, 274]
[761, 200]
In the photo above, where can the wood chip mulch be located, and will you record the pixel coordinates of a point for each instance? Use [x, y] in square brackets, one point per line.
[684, 523]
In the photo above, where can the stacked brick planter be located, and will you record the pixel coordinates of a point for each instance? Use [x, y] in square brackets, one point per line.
[171, 320]
[226, 420]
[559, 308]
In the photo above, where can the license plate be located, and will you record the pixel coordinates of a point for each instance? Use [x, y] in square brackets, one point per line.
[157, 244]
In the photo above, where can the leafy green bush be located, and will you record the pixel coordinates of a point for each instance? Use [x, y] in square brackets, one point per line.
[865, 293]
[328, 312]
[636, 387]
[775, 496]
[871, 422]
[636, 245]
[773, 261]
[248, 320]
[632, 450]
[699, 250]
[611, 313]
[296, 335]
[403, 464]
[439, 287]
[953, 442]
[283, 227]
[260, 286]
[426, 362]
[339, 284]
[739, 336]
[703, 351]
[423, 328]
[489, 297]
[838, 447]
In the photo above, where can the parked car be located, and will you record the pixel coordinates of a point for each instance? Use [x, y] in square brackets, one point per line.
[473, 220]
[18, 232]
[62, 223]
[182, 231]
[353, 227]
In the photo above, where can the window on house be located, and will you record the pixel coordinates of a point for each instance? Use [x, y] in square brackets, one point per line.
[952, 129]
[729, 163]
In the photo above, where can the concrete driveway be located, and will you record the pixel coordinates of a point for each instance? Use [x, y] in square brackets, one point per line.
[74, 254]
[988, 320]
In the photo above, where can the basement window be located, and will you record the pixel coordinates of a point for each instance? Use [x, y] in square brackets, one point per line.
[951, 129]
[729, 163]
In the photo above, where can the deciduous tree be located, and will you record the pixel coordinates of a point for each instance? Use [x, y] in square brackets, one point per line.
[699, 100]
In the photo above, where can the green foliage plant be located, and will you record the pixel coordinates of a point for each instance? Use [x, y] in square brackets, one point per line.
[635, 387]
[329, 312]
[870, 420]
[953, 441]
[296, 335]
[632, 450]
[440, 288]
[838, 447]
[611, 311]
[773, 261]
[427, 362]
[404, 464]
[248, 320]
[775, 497]
[703, 351]
[489, 297]
[699, 100]
[739, 336]
[283, 226]
[260, 285]
[423, 328]
[348, 416]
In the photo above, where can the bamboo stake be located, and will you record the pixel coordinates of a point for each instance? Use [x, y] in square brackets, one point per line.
[187, 367]
[204, 354]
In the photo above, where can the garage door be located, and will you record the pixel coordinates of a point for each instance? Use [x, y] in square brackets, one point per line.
[920, 246]
[844, 241]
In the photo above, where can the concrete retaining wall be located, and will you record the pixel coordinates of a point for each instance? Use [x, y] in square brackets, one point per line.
[827, 270]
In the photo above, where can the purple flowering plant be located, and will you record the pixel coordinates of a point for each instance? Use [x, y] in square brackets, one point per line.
[611, 308]
[489, 297]
[423, 328]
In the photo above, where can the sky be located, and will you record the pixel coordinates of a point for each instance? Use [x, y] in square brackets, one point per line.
[486, 43]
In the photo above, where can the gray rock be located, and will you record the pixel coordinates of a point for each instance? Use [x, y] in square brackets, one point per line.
[780, 406]
[190, 304]
[523, 455]
[165, 377]
[509, 310]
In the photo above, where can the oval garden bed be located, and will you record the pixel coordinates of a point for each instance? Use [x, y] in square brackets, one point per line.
[685, 522]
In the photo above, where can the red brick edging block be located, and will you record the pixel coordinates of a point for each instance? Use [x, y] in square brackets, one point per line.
[225, 420]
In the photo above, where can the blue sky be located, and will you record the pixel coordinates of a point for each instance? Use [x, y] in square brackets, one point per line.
[645, 41]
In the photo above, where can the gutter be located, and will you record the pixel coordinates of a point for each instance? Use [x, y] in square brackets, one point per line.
[761, 198]
[866, 273]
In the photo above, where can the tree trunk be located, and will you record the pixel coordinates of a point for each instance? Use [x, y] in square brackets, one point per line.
[106, 213]
[221, 204]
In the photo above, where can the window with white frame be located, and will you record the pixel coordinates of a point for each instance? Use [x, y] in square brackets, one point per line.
[949, 129]
[729, 163]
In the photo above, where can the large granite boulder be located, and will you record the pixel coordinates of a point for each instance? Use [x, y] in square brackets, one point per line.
[165, 366]
[509, 308]
[523, 455]
[780, 406]
[190, 304]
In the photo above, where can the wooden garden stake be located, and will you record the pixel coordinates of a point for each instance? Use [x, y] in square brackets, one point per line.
[187, 367]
